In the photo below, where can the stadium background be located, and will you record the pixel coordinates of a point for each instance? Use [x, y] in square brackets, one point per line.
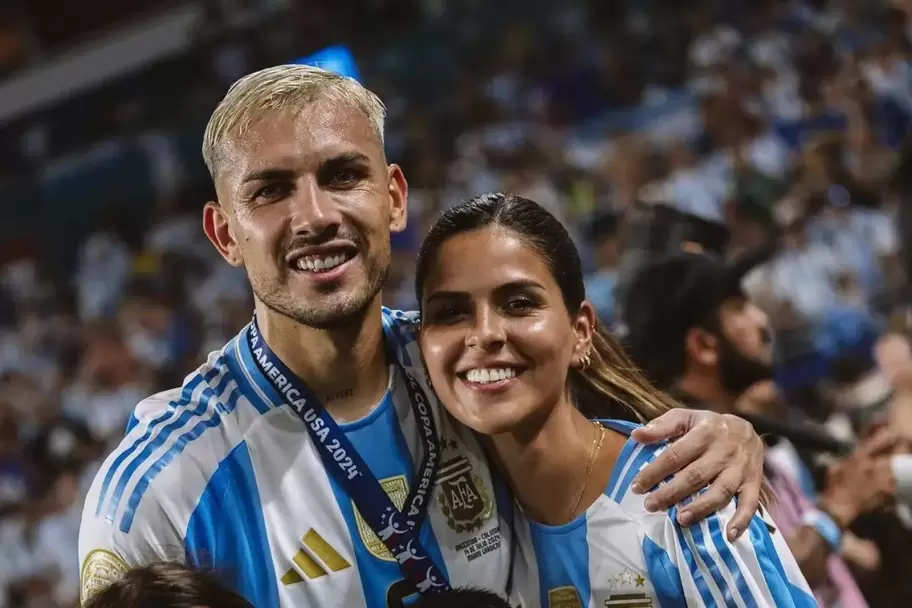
[782, 120]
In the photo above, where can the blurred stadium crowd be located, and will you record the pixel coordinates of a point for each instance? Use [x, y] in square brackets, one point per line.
[776, 123]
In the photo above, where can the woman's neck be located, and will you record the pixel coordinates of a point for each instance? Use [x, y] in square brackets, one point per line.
[546, 464]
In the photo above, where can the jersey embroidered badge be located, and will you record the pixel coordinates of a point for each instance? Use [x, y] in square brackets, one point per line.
[397, 489]
[463, 497]
[305, 564]
[564, 597]
[99, 570]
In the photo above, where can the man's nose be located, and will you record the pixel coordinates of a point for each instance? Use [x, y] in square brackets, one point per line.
[314, 209]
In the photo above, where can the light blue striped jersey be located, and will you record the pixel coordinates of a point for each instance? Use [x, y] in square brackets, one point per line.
[222, 474]
[617, 554]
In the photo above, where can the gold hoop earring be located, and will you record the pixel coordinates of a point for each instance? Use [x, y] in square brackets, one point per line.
[585, 361]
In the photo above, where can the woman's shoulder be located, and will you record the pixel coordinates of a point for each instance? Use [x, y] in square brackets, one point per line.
[634, 456]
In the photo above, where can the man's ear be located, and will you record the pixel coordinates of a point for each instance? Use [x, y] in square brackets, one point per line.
[217, 226]
[702, 347]
[398, 199]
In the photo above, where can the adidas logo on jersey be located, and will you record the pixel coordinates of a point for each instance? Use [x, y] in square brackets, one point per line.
[306, 564]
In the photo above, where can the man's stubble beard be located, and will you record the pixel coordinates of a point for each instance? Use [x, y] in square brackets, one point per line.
[348, 312]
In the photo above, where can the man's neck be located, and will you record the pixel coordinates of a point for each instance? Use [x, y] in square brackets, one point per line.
[345, 367]
[708, 392]
[554, 454]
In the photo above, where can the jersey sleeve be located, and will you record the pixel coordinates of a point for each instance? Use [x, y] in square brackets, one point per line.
[106, 553]
[699, 565]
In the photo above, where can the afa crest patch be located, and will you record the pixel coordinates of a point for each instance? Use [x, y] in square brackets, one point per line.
[463, 497]
[99, 570]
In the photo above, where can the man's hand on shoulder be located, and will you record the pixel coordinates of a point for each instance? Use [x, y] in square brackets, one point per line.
[718, 450]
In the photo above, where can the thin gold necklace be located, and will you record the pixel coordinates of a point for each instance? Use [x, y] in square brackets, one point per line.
[593, 453]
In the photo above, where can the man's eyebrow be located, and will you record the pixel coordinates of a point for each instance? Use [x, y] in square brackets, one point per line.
[342, 160]
[268, 174]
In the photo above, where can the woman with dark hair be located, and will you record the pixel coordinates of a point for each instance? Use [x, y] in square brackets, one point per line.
[514, 353]
[166, 586]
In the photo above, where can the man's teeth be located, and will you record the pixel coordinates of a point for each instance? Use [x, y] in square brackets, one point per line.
[486, 376]
[321, 264]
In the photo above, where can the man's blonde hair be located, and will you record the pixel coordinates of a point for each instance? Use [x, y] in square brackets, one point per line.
[278, 88]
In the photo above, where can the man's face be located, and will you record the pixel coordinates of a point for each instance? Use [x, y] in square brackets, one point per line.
[306, 205]
[744, 347]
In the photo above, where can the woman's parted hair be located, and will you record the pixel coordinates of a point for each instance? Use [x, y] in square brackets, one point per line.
[611, 386]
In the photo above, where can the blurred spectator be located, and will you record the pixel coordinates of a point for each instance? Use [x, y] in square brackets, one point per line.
[107, 386]
[600, 284]
[696, 334]
[13, 473]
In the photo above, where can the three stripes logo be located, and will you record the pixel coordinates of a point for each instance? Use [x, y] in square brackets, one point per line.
[316, 559]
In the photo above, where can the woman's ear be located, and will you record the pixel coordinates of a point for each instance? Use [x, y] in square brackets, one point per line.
[585, 325]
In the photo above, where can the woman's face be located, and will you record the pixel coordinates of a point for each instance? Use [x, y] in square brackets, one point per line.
[496, 336]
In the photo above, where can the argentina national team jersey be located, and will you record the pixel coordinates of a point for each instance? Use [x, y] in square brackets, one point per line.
[618, 555]
[221, 474]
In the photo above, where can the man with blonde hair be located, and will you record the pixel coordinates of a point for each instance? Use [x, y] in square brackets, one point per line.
[308, 461]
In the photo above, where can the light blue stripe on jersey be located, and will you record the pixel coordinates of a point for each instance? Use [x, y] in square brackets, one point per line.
[728, 558]
[706, 556]
[785, 594]
[175, 408]
[562, 553]
[664, 575]
[227, 534]
[184, 417]
[371, 438]
[628, 463]
[224, 406]
[690, 560]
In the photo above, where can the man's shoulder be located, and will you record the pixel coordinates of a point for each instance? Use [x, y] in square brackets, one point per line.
[202, 390]
[174, 444]
[400, 329]
[401, 320]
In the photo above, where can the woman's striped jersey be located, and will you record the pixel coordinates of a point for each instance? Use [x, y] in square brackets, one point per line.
[220, 474]
[617, 554]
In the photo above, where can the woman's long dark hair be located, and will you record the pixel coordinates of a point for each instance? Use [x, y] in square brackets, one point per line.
[611, 386]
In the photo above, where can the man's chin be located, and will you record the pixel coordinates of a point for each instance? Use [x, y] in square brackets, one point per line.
[333, 319]
[332, 313]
